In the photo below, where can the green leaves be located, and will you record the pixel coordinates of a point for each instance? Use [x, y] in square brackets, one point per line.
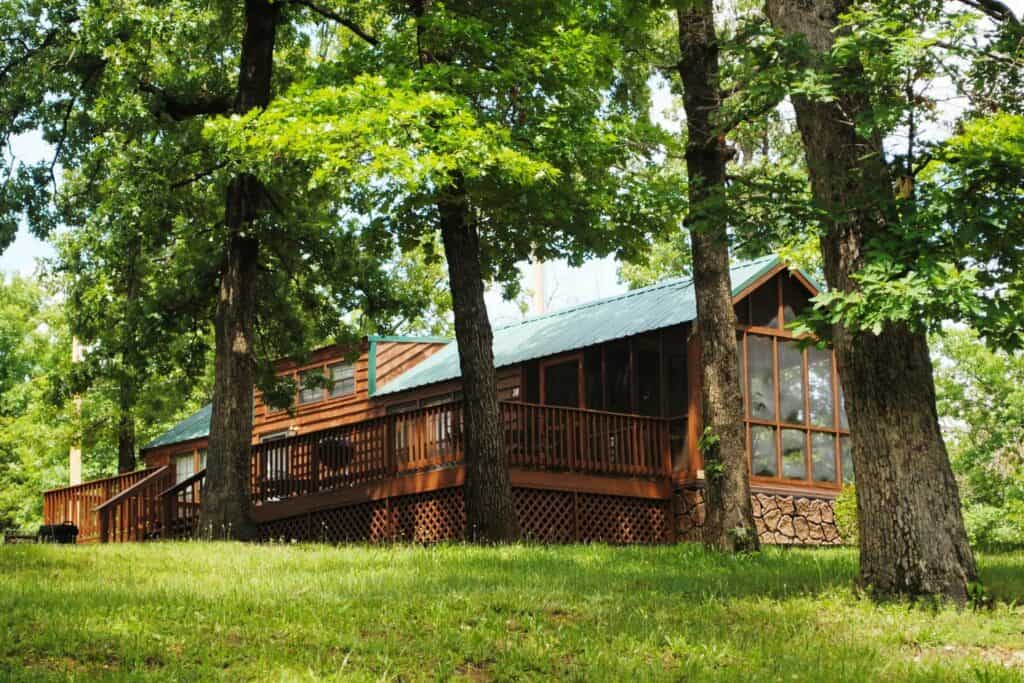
[373, 137]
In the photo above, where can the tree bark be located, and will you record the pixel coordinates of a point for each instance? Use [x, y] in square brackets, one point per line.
[226, 492]
[912, 537]
[729, 523]
[130, 361]
[126, 429]
[490, 514]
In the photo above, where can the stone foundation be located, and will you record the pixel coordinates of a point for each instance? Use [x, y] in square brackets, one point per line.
[782, 520]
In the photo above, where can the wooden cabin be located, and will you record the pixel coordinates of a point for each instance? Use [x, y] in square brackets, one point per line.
[600, 406]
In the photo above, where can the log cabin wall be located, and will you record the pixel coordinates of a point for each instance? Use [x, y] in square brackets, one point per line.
[391, 357]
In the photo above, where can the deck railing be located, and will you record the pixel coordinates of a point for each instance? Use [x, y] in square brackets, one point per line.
[536, 437]
[586, 441]
[77, 504]
[149, 504]
[135, 514]
[180, 507]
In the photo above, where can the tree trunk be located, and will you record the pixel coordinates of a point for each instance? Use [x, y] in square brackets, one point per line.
[490, 514]
[125, 431]
[130, 362]
[729, 523]
[226, 492]
[912, 537]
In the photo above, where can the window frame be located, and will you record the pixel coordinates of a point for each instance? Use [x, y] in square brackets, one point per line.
[192, 457]
[325, 395]
[301, 390]
[334, 382]
[778, 335]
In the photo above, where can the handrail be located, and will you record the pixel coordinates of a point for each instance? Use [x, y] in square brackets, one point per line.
[134, 514]
[589, 411]
[179, 507]
[77, 503]
[183, 484]
[131, 489]
[94, 482]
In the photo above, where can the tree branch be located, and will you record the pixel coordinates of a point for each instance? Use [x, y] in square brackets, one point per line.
[180, 109]
[59, 149]
[29, 52]
[198, 176]
[328, 13]
[994, 9]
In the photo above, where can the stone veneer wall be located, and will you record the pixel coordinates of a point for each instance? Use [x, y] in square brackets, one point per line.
[783, 520]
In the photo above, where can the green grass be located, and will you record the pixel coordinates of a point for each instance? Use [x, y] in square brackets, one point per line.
[200, 611]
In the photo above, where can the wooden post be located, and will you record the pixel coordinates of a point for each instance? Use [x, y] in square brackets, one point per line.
[104, 526]
[694, 417]
[665, 432]
[314, 464]
[390, 458]
[167, 514]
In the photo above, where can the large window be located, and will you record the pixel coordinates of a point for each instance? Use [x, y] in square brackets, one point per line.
[797, 429]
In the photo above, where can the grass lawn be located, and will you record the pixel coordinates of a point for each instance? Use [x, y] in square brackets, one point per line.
[200, 611]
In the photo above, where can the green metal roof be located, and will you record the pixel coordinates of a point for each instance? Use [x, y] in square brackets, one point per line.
[661, 305]
[195, 426]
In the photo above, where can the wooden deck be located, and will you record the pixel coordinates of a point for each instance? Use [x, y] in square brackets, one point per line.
[576, 474]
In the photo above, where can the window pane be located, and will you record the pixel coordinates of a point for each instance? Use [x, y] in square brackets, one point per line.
[311, 394]
[762, 451]
[843, 424]
[764, 305]
[742, 310]
[648, 378]
[202, 459]
[677, 388]
[791, 382]
[762, 377]
[794, 298]
[594, 390]
[846, 459]
[823, 457]
[561, 384]
[184, 467]
[618, 373]
[819, 375]
[343, 379]
[794, 462]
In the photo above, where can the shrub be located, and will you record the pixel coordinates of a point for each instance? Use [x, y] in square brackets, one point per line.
[994, 528]
[846, 515]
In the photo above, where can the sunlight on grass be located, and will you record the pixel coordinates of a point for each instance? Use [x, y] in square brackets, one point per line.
[199, 611]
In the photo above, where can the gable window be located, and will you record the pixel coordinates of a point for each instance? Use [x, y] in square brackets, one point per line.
[311, 394]
[343, 379]
[796, 427]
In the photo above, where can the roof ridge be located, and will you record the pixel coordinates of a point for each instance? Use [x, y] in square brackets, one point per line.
[669, 282]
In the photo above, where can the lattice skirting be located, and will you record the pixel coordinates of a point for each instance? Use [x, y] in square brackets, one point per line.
[545, 516]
